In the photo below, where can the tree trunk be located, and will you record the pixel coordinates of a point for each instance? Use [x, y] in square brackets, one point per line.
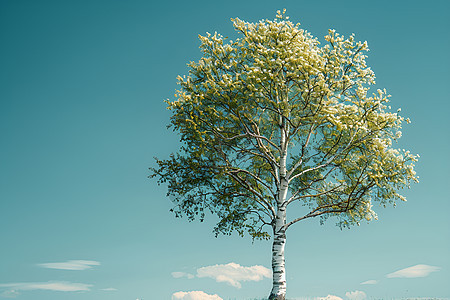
[279, 231]
[278, 268]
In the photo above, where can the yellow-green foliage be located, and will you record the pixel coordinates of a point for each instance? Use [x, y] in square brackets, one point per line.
[276, 90]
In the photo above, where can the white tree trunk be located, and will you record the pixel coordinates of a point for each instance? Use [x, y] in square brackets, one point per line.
[278, 267]
[279, 231]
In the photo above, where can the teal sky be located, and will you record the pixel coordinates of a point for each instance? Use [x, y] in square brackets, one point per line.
[82, 85]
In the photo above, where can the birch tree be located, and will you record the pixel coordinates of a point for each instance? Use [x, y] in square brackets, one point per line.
[273, 120]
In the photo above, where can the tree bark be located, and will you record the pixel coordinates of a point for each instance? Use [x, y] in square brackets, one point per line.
[279, 230]
[278, 265]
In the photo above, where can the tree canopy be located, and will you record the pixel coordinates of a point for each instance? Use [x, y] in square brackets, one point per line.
[273, 119]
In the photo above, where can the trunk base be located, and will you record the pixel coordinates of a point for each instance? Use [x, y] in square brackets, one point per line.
[277, 297]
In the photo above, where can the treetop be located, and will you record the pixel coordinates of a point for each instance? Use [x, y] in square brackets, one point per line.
[274, 110]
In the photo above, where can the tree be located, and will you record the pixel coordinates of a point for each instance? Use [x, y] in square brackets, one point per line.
[271, 120]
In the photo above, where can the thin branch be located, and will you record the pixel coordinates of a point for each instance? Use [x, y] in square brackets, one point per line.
[317, 211]
[247, 186]
[326, 163]
[299, 163]
[238, 170]
[292, 199]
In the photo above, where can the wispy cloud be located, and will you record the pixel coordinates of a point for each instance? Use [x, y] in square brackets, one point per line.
[233, 273]
[182, 274]
[330, 297]
[194, 295]
[414, 272]
[61, 286]
[9, 294]
[109, 289]
[371, 281]
[76, 265]
[356, 295]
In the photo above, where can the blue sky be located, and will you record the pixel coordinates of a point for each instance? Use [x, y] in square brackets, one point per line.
[82, 116]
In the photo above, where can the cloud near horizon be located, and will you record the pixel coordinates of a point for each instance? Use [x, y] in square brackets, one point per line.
[75, 265]
[60, 286]
[356, 295]
[330, 297]
[233, 273]
[414, 272]
[371, 281]
[194, 295]
[9, 294]
[110, 289]
[182, 274]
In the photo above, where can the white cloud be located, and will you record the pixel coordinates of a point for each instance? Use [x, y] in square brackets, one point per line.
[356, 295]
[372, 281]
[233, 273]
[414, 271]
[60, 286]
[77, 265]
[182, 274]
[9, 294]
[330, 297]
[109, 289]
[194, 295]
